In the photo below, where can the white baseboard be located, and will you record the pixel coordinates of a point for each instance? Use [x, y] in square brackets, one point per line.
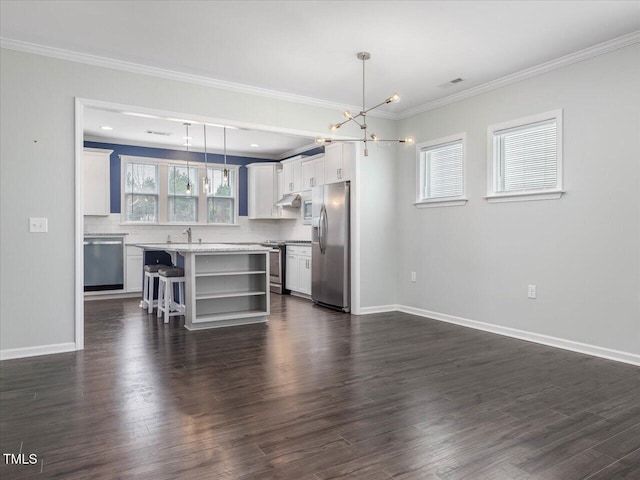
[111, 296]
[377, 309]
[617, 355]
[10, 353]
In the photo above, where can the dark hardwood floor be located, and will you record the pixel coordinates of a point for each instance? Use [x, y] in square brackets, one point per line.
[316, 395]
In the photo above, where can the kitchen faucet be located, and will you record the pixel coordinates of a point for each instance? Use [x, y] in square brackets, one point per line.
[188, 232]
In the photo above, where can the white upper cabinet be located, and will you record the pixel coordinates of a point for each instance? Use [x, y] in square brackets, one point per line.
[339, 159]
[262, 190]
[308, 172]
[292, 175]
[313, 172]
[96, 181]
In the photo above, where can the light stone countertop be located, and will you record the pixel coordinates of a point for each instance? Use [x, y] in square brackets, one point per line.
[201, 247]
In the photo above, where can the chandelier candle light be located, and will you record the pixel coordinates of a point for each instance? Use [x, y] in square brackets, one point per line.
[361, 118]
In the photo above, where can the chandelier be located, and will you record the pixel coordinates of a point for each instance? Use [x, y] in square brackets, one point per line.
[361, 118]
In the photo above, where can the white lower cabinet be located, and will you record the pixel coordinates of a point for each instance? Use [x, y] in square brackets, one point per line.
[304, 275]
[292, 272]
[299, 269]
[133, 280]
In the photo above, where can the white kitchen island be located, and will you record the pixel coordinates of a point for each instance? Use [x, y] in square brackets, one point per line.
[225, 285]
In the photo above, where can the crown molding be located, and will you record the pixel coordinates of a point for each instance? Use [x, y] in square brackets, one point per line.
[106, 62]
[555, 64]
[299, 150]
[575, 57]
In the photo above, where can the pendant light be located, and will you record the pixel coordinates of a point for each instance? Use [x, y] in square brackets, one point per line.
[207, 184]
[361, 118]
[225, 172]
[188, 191]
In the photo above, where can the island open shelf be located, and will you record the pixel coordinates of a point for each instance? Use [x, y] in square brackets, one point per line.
[225, 284]
[226, 288]
[227, 274]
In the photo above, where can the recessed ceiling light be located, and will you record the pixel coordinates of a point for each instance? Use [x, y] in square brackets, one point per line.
[187, 144]
[218, 125]
[156, 132]
[254, 145]
[187, 138]
[182, 120]
[143, 115]
[106, 127]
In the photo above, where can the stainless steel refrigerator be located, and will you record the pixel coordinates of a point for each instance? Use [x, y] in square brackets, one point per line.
[330, 267]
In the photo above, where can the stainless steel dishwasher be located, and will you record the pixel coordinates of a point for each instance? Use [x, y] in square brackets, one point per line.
[103, 263]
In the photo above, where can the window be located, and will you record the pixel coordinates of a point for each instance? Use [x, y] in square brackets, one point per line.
[141, 192]
[155, 191]
[526, 158]
[441, 172]
[221, 201]
[182, 207]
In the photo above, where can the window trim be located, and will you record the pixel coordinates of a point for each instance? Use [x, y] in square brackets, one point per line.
[525, 195]
[441, 201]
[163, 191]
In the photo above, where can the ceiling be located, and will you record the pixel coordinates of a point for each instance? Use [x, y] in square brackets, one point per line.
[131, 129]
[308, 48]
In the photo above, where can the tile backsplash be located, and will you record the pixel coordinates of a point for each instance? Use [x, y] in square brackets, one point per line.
[246, 231]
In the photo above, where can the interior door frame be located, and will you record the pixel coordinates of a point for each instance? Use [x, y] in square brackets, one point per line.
[82, 103]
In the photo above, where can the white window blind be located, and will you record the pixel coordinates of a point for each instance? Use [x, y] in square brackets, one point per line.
[526, 157]
[443, 171]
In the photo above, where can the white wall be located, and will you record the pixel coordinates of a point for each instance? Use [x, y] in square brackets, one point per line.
[582, 251]
[475, 261]
[379, 233]
[37, 177]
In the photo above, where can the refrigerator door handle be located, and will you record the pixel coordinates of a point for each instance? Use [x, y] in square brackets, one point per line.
[322, 237]
[320, 229]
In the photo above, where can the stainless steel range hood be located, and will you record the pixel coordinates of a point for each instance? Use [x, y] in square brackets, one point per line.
[290, 200]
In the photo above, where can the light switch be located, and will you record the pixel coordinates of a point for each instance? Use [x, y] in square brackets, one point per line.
[38, 225]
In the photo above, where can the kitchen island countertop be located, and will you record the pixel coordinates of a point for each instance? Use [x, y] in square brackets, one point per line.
[201, 247]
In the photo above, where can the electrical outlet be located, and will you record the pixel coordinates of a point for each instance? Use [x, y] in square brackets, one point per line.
[38, 225]
[413, 277]
[531, 292]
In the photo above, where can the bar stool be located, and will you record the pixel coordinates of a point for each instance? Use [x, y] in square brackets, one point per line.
[148, 286]
[168, 277]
